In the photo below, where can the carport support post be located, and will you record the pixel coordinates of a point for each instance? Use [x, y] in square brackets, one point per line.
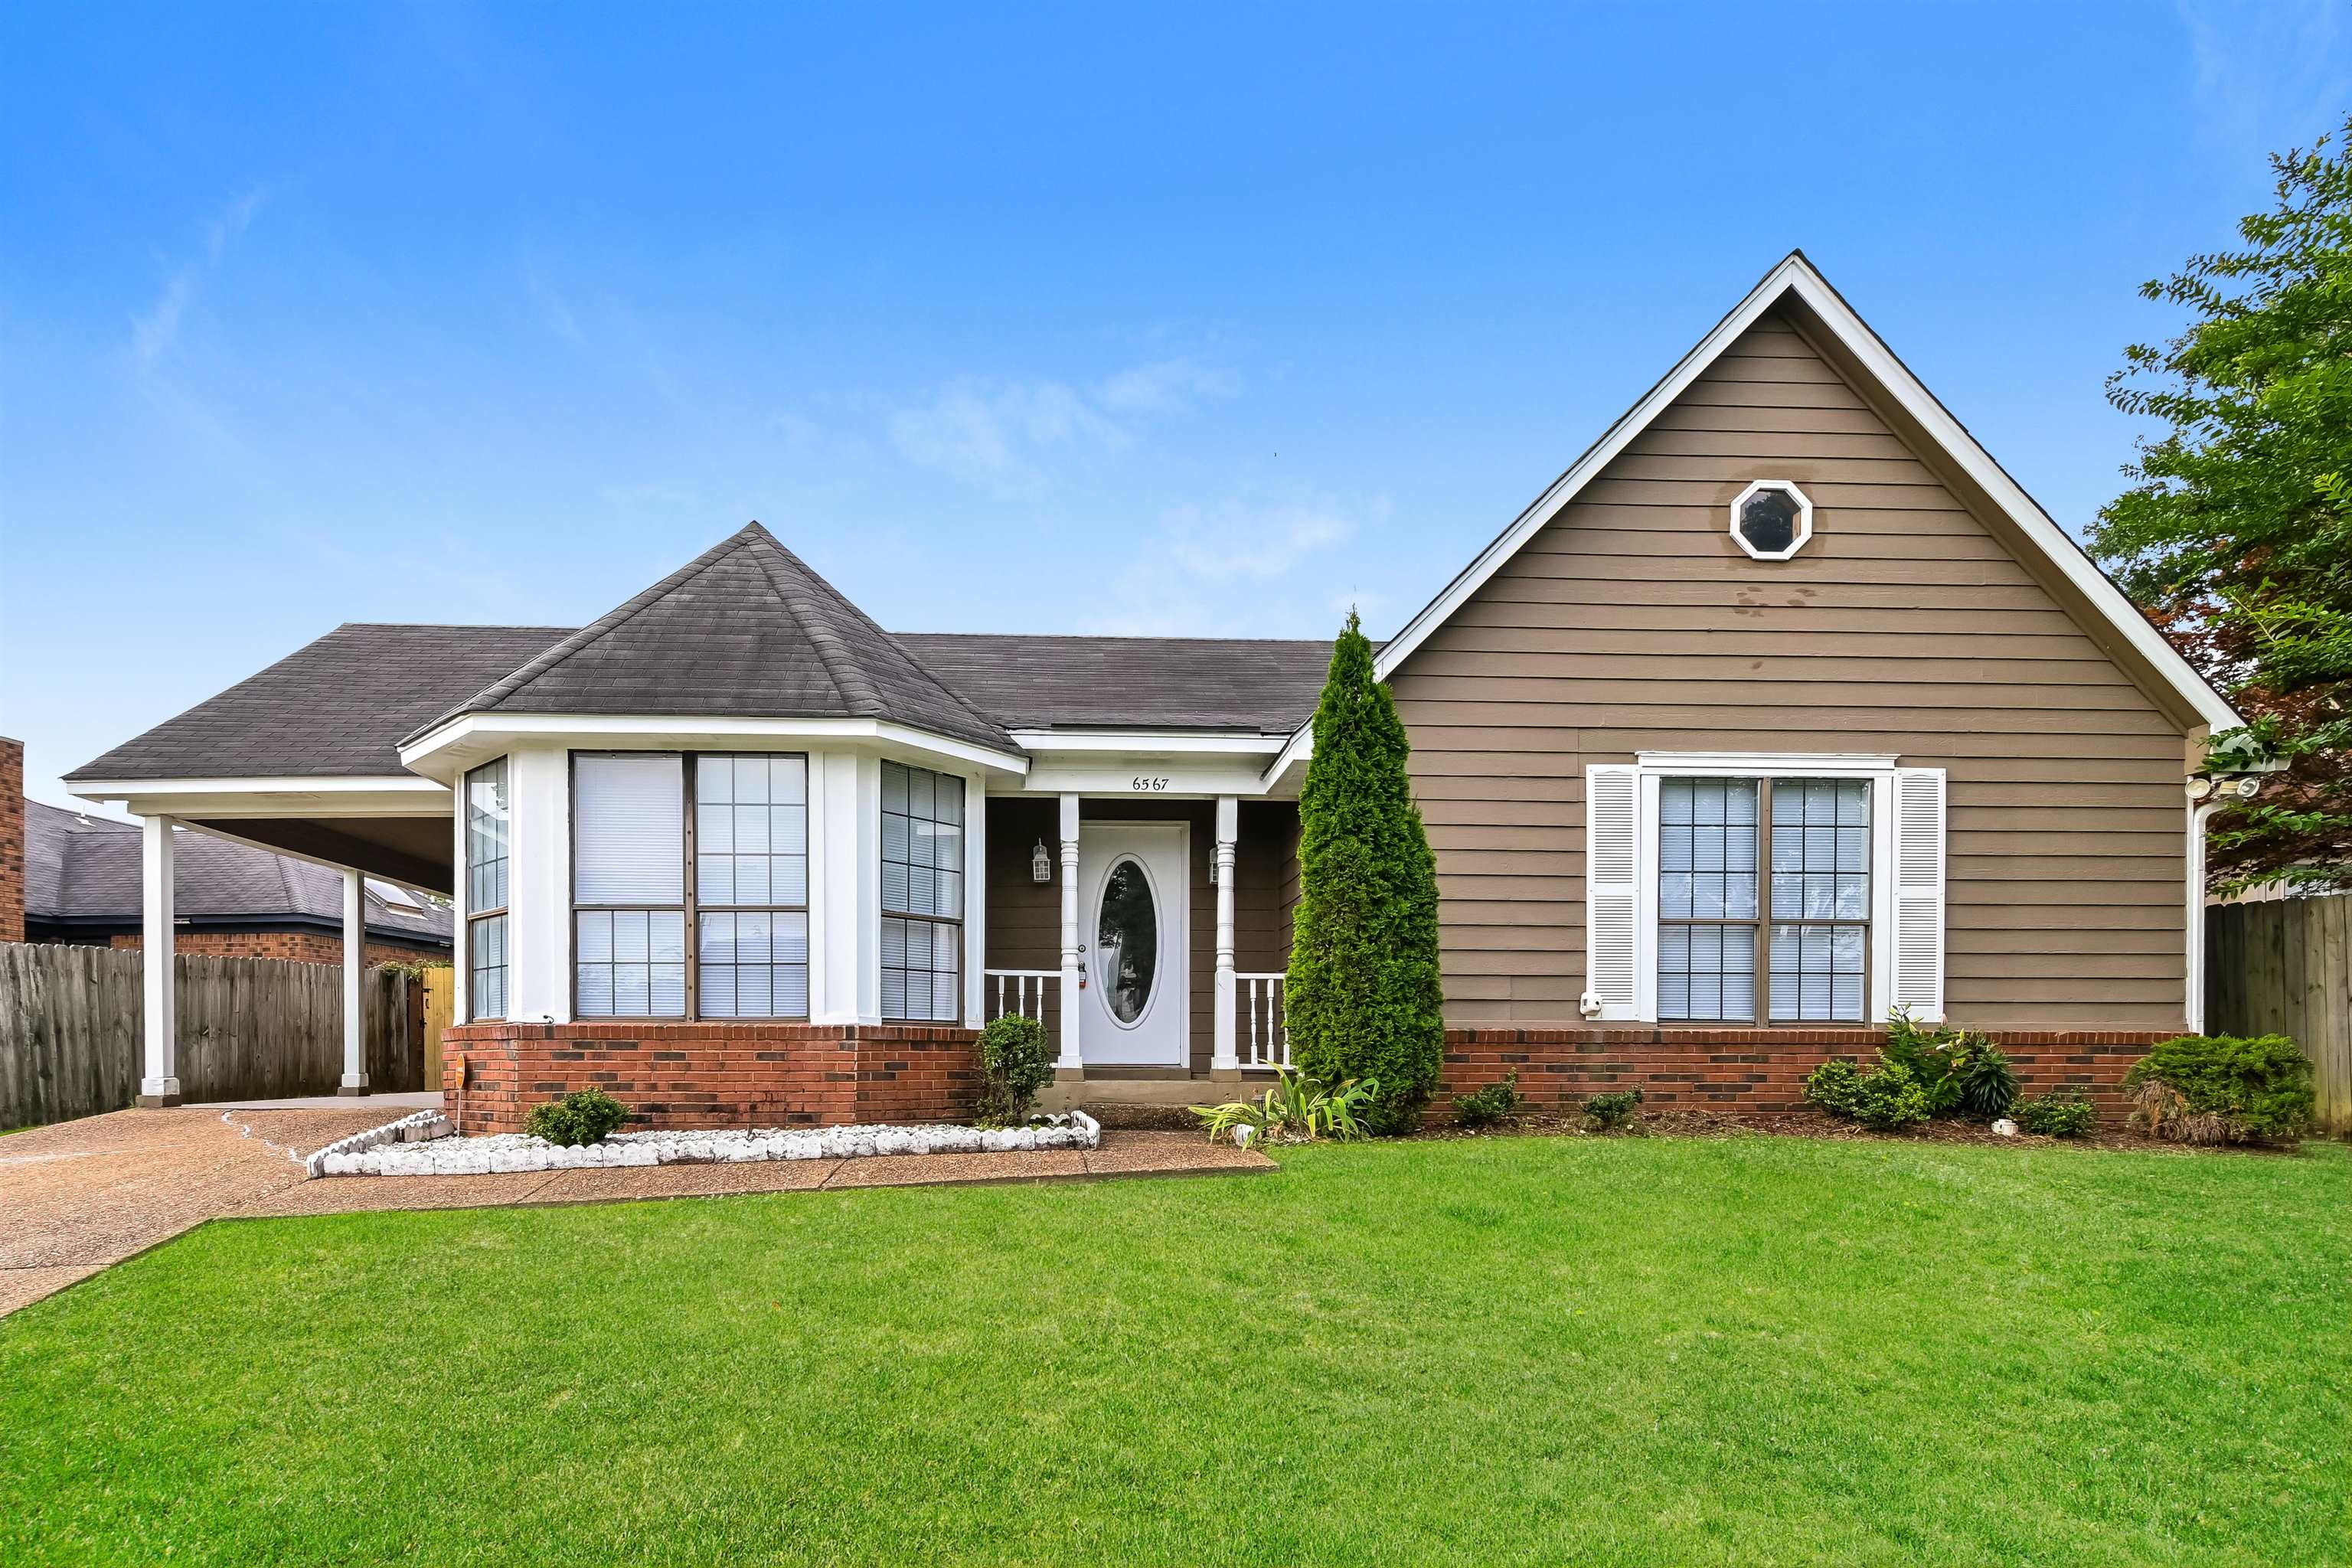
[1226, 1057]
[355, 1081]
[159, 1083]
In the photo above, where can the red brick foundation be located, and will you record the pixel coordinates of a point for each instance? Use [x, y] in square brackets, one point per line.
[1746, 1071]
[713, 1075]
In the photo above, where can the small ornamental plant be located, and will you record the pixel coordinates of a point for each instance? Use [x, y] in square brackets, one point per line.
[1886, 1100]
[1498, 1101]
[1962, 1073]
[2221, 1089]
[2061, 1113]
[1015, 1062]
[586, 1116]
[1613, 1111]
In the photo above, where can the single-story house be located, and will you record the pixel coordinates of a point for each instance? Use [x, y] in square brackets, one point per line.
[1782, 707]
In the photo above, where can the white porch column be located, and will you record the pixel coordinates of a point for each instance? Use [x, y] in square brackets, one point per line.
[1226, 1058]
[1070, 1061]
[355, 1078]
[975, 900]
[160, 1081]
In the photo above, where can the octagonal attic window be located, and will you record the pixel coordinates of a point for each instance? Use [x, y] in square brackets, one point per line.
[1772, 520]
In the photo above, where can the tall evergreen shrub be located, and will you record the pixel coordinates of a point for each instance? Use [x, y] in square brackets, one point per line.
[1363, 997]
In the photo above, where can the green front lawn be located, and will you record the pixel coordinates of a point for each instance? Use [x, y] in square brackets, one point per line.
[1760, 1350]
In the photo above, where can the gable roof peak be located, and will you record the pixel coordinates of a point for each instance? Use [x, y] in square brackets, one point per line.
[1796, 281]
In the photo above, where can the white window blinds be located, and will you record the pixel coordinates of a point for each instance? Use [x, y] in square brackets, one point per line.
[629, 830]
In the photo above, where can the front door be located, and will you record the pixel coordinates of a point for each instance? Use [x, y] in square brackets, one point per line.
[1132, 920]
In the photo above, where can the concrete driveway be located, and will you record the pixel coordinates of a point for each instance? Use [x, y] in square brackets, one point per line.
[81, 1195]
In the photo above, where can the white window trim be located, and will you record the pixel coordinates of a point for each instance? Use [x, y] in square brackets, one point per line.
[1804, 519]
[1878, 768]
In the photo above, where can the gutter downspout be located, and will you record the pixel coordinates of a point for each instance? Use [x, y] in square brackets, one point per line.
[2193, 998]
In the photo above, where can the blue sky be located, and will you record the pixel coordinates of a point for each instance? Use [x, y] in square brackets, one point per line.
[1094, 318]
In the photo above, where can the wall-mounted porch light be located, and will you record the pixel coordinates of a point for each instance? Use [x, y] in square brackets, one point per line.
[1041, 864]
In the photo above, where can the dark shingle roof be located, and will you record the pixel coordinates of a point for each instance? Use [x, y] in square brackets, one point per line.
[86, 869]
[1198, 683]
[338, 707]
[744, 628]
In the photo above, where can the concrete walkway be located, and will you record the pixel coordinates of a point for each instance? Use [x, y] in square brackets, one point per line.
[79, 1196]
[82, 1195]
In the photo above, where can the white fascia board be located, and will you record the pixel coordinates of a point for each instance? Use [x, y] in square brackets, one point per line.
[390, 795]
[471, 738]
[1776, 765]
[1796, 276]
[1148, 743]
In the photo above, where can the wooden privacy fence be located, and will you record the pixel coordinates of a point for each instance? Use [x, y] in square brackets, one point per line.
[250, 1029]
[2284, 966]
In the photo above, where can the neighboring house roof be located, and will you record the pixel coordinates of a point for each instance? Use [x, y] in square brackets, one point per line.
[86, 872]
[1265, 685]
[336, 708]
[745, 628]
[1796, 281]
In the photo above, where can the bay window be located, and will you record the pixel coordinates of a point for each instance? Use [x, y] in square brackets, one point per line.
[923, 894]
[487, 823]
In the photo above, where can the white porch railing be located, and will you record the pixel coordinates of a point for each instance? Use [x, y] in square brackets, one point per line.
[1021, 991]
[1263, 1038]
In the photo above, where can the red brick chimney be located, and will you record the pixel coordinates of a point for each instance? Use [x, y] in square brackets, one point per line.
[12, 840]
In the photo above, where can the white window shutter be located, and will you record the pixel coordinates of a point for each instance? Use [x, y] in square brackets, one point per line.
[1612, 842]
[1918, 977]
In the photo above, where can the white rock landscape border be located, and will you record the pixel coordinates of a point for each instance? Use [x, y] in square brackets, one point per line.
[393, 1151]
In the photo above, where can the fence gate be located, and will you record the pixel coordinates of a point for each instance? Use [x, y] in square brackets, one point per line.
[440, 999]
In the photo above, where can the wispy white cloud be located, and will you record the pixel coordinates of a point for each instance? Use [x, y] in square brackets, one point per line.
[1166, 386]
[2268, 75]
[1249, 566]
[155, 330]
[555, 312]
[1000, 435]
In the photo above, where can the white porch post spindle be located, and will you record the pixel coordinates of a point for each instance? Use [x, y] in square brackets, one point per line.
[355, 1078]
[1226, 1058]
[159, 1083]
[1070, 1061]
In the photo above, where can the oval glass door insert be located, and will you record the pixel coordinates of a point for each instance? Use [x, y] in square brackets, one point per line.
[1127, 942]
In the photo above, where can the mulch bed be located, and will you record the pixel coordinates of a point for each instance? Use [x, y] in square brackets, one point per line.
[1811, 1123]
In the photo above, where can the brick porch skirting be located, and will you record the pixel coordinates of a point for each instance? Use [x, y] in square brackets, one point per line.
[1748, 1072]
[713, 1075]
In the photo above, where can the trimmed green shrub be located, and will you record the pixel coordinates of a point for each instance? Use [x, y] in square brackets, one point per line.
[1959, 1072]
[1015, 1062]
[1614, 1110]
[1498, 1101]
[2222, 1089]
[1362, 999]
[2061, 1113]
[1886, 1100]
[584, 1116]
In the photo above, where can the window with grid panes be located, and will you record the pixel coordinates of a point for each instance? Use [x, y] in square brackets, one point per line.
[1726, 956]
[751, 871]
[485, 890]
[922, 893]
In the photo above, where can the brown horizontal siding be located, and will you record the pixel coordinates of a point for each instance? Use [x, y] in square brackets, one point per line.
[1633, 622]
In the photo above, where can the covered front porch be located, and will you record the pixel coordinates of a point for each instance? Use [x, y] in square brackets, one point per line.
[1148, 934]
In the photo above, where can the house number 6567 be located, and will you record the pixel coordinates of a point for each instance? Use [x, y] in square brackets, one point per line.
[1146, 785]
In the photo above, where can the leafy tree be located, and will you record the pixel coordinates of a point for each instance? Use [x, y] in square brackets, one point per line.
[2236, 533]
[1363, 999]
